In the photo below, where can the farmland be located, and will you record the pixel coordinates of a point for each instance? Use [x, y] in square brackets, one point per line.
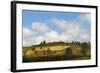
[58, 51]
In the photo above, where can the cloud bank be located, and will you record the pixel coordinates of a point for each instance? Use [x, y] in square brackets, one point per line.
[68, 31]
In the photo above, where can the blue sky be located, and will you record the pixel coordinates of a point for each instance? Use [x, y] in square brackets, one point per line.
[45, 23]
[44, 16]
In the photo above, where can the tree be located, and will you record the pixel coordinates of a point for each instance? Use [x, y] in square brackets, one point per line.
[44, 42]
[84, 46]
[68, 52]
[72, 42]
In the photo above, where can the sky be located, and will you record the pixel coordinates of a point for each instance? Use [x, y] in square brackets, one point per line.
[55, 26]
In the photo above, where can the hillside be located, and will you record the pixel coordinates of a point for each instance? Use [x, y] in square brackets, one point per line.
[56, 51]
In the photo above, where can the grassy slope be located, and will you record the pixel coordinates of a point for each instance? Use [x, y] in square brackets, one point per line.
[59, 55]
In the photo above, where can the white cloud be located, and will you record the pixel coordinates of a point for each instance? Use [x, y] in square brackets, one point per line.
[31, 37]
[70, 30]
[85, 17]
[27, 43]
[51, 36]
[27, 32]
[55, 36]
[48, 37]
[41, 27]
[60, 23]
[38, 39]
[84, 37]
[74, 30]
[28, 35]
